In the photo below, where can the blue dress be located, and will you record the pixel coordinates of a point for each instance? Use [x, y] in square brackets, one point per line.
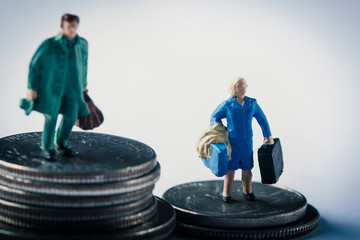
[239, 126]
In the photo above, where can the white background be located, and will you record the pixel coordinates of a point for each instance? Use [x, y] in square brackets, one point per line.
[159, 68]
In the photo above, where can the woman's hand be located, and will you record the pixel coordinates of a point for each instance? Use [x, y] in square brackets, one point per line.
[31, 95]
[268, 140]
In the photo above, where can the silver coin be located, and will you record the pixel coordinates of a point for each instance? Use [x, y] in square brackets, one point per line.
[159, 227]
[199, 203]
[99, 158]
[46, 200]
[304, 225]
[74, 214]
[100, 189]
[76, 225]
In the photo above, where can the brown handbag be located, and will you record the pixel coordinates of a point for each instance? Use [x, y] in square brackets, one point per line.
[94, 119]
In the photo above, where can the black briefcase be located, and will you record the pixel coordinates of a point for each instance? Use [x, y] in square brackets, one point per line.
[270, 162]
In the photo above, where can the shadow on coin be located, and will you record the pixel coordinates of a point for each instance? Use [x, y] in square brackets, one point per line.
[181, 236]
[324, 227]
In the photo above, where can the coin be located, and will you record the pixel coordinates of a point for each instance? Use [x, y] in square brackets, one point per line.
[304, 225]
[159, 227]
[74, 214]
[73, 223]
[99, 158]
[100, 189]
[200, 204]
[46, 200]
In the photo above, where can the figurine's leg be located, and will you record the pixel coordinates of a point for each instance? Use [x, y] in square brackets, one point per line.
[228, 181]
[246, 181]
[64, 131]
[47, 139]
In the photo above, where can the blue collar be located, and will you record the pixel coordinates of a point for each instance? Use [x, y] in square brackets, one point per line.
[234, 103]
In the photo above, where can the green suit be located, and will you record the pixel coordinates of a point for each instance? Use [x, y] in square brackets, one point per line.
[58, 72]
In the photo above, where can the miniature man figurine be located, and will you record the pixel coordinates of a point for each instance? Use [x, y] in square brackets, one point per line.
[239, 111]
[57, 79]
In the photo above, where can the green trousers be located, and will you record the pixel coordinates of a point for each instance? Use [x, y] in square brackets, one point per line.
[69, 110]
[62, 135]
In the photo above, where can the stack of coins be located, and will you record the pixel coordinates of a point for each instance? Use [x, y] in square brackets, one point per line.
[103, 192]
[277, 212]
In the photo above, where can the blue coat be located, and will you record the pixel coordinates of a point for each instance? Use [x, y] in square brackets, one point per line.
[239, 126]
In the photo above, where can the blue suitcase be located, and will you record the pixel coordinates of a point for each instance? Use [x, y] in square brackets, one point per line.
[270, 162]
[218, 162]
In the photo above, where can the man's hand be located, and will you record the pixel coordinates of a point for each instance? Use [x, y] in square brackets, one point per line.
[31, 95]
[268, 140]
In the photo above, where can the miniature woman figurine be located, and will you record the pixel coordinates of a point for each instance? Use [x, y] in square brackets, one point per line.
[57, 79]
[238, 111]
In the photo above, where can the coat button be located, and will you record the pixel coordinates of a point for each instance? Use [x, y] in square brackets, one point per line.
[240, 162]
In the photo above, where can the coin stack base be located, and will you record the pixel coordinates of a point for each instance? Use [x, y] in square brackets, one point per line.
[103, 192]
[277, 212]
[159, 227]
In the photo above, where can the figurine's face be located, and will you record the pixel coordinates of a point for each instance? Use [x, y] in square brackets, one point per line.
[69, 29]
[240, 89]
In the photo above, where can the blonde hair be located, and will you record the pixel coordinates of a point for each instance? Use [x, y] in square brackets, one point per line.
[213, 134]
[233, 84]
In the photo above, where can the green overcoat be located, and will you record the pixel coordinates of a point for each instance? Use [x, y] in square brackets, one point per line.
[48, 74]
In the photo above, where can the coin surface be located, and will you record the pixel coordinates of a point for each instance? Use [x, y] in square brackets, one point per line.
[304, 225]
[99, 158]
[159, 227]
[200, 204]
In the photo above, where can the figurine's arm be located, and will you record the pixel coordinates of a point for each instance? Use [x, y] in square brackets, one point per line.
[35, 71]
[218, 114]
[261, 119]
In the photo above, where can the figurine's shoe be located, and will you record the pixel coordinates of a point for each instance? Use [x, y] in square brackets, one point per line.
[249, 196]
[65, 151]
[48, 154]
[226, 199]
